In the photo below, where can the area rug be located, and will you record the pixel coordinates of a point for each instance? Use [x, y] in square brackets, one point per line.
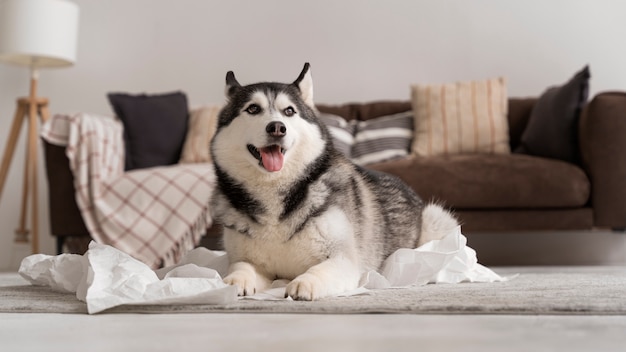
[536, 290]
[106, 277]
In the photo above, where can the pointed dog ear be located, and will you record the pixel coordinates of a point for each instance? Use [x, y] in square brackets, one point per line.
[231, 83]
[304, 83]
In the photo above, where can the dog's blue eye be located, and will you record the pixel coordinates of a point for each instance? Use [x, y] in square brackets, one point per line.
[253, 109]
[289, 111]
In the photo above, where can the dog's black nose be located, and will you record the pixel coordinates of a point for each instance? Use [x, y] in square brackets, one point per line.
[276, 129]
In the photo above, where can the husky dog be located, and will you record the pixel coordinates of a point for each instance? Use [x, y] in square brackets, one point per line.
[294, 208]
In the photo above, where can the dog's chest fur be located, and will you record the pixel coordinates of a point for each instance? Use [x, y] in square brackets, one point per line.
[282, 247]
[283, 241]
[252, 206]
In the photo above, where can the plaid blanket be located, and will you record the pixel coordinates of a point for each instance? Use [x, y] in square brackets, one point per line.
[155, 215]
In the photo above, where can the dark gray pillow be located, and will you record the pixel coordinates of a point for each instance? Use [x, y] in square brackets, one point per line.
[155, 127]
[552, 129]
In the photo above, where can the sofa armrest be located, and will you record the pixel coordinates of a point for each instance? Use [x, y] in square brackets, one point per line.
[65, 218]
[101, 137]
[602, 136]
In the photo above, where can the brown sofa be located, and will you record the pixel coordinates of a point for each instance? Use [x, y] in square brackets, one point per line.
[520, 192]
[498, 193]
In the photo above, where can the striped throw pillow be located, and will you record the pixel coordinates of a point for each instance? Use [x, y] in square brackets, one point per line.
[383, 138]
[341, 131]
[461, 118]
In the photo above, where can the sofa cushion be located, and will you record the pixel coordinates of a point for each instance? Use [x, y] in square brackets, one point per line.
[478, 181]
[460, 118]
[519, 112]
[345, 111]
[376, 109]
[200, 130]
[383, 138]
[155, 127]
[374, 140]
[341, 131]
[366, 111]
[552, 129]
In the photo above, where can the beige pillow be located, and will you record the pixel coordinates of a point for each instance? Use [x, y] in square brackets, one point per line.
[461, 118]
[201, 128]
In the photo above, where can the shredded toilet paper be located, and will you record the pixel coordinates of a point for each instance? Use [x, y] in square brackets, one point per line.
[105, 277]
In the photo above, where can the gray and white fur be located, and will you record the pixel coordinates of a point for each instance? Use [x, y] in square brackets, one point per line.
[294, 208]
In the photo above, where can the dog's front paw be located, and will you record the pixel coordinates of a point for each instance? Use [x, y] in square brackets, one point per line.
[244, 280]
[306, 287]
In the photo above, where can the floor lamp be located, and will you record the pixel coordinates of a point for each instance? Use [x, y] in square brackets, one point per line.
[36, 34]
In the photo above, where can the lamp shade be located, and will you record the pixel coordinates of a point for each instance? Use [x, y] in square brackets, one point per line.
[38, 33]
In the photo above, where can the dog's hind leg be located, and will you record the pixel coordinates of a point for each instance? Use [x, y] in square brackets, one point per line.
[436, 223]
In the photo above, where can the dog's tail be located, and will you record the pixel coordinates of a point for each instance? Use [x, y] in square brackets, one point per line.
[436, 223]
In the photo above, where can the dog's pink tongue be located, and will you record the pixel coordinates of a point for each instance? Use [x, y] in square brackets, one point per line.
[272, 158]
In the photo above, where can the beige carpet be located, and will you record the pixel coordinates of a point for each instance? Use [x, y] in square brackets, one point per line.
[537, 290]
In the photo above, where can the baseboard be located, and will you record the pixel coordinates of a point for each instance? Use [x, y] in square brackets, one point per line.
[593, 247]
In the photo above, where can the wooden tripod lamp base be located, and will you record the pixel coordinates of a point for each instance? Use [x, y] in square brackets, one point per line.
[30, 109]
[34, 34]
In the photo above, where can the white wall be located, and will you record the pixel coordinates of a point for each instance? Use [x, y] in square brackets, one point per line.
[359, 50]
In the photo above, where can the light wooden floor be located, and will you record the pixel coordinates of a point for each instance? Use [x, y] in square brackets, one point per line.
[292, 332]
[262, 332]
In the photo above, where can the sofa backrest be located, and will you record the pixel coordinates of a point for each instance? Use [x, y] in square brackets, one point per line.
[519, 112]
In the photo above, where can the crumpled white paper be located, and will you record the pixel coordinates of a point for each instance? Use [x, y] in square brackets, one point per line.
[105, 277]
[448, 260]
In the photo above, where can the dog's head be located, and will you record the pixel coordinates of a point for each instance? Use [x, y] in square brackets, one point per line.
[268, 128]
